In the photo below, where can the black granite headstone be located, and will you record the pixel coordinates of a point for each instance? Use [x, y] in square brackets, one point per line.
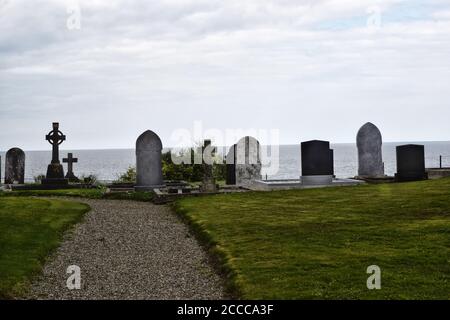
[231, 166]
[410, 163]
[15, 166]
[317, 158]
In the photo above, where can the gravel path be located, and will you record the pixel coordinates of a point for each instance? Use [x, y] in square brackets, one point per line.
[130, 250]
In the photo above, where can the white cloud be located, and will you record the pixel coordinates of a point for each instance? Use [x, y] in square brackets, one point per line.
[163, 64]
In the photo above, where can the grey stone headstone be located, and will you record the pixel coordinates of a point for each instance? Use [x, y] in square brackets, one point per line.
[15, 166]
[370, 158]
[148, 161]
[208, 183]
[248, 161]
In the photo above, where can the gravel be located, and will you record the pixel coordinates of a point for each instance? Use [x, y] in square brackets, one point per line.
[130, 250]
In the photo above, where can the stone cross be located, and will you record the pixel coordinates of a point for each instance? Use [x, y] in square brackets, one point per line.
[209, 183]
[55, 138]
[70, 160]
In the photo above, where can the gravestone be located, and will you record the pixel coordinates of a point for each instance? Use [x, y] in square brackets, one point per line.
[208, 182]
[55, 171]
[247, 161]
[70, 160]
[148, 162]
[15, 166]
[231, 166]
[370, 159]
[410, 163]
[317, 163]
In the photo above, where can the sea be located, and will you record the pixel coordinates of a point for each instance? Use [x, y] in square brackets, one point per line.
[107, 165]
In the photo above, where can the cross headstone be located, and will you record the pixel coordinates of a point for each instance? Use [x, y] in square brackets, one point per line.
[410, 163]
[70, 160]
[209, 183]
[370, 159]
[148, 162]
[15, 166]
[55, 171]
[317, 162]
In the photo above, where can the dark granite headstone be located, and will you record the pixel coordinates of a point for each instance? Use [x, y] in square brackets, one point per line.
[317, 158]
[148, 162]
[15, 166]
[231, 166]
[70, 160]
[410, 163]
[55, 171]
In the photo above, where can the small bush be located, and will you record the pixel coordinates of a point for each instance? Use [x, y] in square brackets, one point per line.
[128, 177]
[38, 179]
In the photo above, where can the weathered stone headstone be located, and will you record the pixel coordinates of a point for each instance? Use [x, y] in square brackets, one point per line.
[55, 171]
[70, 160]
[370, 159]
[410, 163]
[231, 166]
[148, 162]
[15, 166]
[248, 161]
[208, 182]
[317, 163]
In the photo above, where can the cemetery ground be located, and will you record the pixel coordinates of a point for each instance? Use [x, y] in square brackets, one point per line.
[318, 243]
[29, 230]
[299, 244]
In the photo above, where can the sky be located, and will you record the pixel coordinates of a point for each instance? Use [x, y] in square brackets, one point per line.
[287, 70]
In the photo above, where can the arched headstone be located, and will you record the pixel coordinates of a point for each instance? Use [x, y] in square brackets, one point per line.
[248, 161]
[370, 159]
[148, 161]
[15, 166]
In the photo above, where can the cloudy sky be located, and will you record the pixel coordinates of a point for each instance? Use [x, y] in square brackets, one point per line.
[310, 69]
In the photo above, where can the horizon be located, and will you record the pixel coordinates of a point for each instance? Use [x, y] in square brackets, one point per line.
[280, 145]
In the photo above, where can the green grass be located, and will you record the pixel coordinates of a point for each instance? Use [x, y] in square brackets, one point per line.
[82, 193]
[318, 243]
[79, 193]
[29, 230]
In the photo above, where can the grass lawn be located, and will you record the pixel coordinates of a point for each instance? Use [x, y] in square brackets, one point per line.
[29, 230]
[318, 243]
[82, 193]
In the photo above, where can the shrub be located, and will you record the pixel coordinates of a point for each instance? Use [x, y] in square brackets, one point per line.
[128, 177]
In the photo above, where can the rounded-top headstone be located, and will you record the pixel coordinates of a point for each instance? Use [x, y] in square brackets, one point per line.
[370, 158]
[247, 161]
[148, 161]
[15, 166]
